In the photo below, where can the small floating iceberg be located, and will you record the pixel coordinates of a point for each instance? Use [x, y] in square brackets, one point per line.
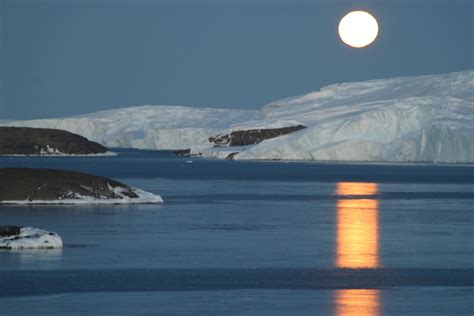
[13, 237]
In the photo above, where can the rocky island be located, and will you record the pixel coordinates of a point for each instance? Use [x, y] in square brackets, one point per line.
[16, 237]
[47, 186]
[45, 142]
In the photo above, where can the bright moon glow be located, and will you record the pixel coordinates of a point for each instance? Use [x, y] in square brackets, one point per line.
[358, 29]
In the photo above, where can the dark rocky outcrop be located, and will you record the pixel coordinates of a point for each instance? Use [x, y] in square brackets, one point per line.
[231, 156]
[21, 184]
[253, 136]
[7, 231]
[183, 152]
[44, 141]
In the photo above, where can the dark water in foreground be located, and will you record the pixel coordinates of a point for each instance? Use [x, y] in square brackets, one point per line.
[251, 238]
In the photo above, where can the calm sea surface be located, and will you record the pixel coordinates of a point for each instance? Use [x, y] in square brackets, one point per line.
[253, 238]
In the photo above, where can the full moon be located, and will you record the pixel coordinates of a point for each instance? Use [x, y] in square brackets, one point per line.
[358, 29]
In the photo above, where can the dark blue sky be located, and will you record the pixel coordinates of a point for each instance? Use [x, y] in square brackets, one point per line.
[72, 57]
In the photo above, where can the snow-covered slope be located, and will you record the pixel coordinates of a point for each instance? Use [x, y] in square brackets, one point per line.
[144, 197]
[31, 238]
[148, 127]
[426, 118]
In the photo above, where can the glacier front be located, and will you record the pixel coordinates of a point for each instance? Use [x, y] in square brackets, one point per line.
[419, 119]
[406, 119]
[148, 126]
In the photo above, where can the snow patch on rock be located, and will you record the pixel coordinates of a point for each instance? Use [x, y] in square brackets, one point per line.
[49, 151]
[32, 238]
[144, 197]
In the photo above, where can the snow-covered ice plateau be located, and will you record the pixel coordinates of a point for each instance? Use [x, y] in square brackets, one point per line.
[148, 126]
[406, 119]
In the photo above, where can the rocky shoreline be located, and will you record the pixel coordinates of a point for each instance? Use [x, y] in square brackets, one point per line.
[43, 186]
[252, 136]
[16, 237]
[27, 141]
[7, 231]
[238, 138]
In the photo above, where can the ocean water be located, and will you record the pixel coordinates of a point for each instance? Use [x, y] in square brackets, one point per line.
[252, 238]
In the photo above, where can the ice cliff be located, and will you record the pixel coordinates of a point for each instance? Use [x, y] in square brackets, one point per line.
[423, 118]
[426, 118]
[148, 127]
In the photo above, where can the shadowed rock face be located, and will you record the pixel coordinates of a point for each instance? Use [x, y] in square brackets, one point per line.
[183, 153]
[44, 141]
[253, 136]
[7, 231]
[21, 184]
